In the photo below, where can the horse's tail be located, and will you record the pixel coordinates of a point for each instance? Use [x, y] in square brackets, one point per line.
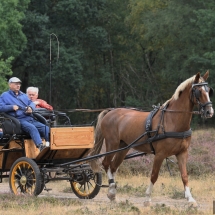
[98, 142]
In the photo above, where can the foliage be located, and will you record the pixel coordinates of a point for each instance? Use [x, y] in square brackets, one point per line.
[12, 39]
[172, 39]
[112, 53]
[74, 28]
[5, 70]
[201, 158]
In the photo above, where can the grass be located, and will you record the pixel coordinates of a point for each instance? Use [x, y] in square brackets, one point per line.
[167, 197]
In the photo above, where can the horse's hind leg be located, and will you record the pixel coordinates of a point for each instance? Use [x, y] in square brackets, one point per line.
[111, 177]
[111, 173]
[182, 162]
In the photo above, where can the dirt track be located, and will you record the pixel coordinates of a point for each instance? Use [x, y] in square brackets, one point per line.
[101, 198]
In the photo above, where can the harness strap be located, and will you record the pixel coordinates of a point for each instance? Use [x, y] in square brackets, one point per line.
[148, 125]
[179, 135]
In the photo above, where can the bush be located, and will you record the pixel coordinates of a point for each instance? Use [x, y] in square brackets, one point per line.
[201, 157]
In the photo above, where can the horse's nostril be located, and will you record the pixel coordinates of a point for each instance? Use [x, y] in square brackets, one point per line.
[208, 113]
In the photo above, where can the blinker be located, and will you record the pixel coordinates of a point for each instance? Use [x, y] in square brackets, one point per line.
[211, 91]
[197, 92]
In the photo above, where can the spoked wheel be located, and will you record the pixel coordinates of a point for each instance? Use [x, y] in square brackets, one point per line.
[25, 177]
[42, 183]
[86, 185]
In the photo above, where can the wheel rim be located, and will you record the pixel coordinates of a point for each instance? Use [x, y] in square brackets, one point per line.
[86, 186]
[23, 178]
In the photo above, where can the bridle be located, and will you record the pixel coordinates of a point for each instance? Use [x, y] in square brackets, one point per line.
[196, 93]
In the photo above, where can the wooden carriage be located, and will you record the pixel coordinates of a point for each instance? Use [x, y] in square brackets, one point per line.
[29, 170]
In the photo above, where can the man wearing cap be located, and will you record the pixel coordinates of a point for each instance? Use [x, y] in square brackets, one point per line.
[17, 104]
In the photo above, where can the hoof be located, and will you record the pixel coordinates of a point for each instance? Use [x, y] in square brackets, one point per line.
[112, 192]
[112, 197]
[147, 203]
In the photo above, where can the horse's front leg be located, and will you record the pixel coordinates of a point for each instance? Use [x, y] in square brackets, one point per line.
[154, 176]
[182, 162]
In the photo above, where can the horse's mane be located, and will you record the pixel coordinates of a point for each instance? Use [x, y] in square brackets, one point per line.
[180, 88]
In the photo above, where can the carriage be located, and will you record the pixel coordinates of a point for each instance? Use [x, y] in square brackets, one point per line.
[29, 170]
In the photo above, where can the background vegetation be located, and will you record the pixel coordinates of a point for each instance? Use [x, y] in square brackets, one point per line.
[201, 158]
[111, 53]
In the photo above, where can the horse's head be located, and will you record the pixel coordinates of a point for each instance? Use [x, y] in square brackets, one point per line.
[201, 94]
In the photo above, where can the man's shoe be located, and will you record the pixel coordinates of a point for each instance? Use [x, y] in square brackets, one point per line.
[41, 147]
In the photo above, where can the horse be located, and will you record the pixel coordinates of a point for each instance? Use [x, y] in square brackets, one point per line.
[163, 132]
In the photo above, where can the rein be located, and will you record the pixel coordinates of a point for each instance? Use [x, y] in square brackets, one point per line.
[180, 111]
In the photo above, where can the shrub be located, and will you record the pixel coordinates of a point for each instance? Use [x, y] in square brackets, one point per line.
[201, 157]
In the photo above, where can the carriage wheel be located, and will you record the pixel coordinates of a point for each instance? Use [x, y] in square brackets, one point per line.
[86, 185]
[25, 177]
[42, 183]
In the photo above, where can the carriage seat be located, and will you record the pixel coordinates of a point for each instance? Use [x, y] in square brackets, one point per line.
[11, 125]
[47, 114]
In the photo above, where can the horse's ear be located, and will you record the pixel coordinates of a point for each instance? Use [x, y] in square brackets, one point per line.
[206, 75]
[196, 80]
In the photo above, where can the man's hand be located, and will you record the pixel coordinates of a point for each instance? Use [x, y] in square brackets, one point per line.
[15, 107]
[28, 110]
[36, 102]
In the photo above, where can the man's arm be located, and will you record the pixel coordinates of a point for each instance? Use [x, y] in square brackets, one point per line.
[43, 104]
[5, 107]
[30, 104]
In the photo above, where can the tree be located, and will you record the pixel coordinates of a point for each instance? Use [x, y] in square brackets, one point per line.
[172, 39]
[12, 39]
[115, 53]
[78, 29]
[5, 70]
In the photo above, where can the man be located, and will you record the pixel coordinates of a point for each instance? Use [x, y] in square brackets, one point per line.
[17, 104]
[32, 93]
[1, 133]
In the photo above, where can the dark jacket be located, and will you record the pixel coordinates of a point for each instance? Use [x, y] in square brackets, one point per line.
[9, 99]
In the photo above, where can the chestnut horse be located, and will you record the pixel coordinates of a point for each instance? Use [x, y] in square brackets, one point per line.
[119, 127]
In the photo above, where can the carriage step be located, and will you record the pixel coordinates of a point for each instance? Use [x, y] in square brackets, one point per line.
[47, 189]
[104, 185]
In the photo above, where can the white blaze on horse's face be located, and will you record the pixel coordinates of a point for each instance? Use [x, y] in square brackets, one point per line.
[207, 93]
[210, 110]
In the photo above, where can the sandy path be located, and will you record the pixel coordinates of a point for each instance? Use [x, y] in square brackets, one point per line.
[101, 198]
